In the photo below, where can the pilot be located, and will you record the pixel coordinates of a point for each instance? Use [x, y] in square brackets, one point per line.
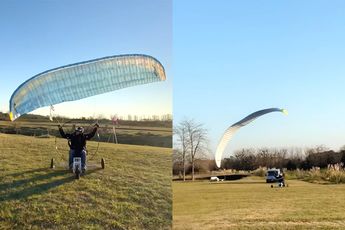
[77, 144]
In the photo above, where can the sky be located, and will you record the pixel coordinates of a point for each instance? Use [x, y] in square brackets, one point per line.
[39, 35]
[232, 58]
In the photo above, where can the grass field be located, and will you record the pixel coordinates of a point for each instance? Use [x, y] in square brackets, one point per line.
[132, 192]
[250, 203]
[126, 134]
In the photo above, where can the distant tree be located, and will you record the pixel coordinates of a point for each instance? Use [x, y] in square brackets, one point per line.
[180, 131]
[203, 165]
[291, 165]
[178, 168]
[343, 157]
[264, 158]
[245, 159]
[306, 164]
[197, 139]
[192, 141]
[321, 148]
[330, 158]
[321, 157]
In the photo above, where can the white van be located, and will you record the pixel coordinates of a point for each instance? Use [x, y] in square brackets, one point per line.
[214, 178]
[273, 175]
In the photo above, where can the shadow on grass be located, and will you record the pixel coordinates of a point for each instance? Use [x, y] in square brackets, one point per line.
[24, 172]
[93, 170]
[230, 177]
[18, 183]
[23, 189]
[237, 182]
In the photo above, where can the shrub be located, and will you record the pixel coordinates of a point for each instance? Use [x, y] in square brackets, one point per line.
[315, 174]
[335, 173]
[261, 171]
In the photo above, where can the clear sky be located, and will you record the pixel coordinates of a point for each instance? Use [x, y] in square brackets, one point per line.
[232, 58]
[38, 35]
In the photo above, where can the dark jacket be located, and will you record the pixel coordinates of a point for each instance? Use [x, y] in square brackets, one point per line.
[78, 142]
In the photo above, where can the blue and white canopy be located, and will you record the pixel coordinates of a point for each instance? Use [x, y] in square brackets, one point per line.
[84, 79]
[228, 134]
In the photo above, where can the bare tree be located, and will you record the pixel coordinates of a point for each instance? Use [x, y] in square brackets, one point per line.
[192, 141]
[197, 139]
[181, 134]
[178, 167]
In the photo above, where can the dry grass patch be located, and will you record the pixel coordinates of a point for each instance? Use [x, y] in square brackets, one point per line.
[250, 203]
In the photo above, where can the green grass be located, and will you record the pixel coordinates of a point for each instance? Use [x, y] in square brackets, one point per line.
[250, 203]
[133, 192]
[126, 134]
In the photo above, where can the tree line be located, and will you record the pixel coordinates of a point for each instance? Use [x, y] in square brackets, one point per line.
[289, 158]
[126, 119]
[191, 151]
[252, 159]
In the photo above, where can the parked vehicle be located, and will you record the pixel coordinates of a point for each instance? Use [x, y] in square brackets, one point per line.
[274, 175]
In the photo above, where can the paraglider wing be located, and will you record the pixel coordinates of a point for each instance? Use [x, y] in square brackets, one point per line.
[233, 128]
[84, 79]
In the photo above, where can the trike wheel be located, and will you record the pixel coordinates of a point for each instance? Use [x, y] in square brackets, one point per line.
[103, 163]
[52, 163]
[77, 173]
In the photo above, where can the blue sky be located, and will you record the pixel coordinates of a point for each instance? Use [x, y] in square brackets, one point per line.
[40, 35]
[232, 58]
